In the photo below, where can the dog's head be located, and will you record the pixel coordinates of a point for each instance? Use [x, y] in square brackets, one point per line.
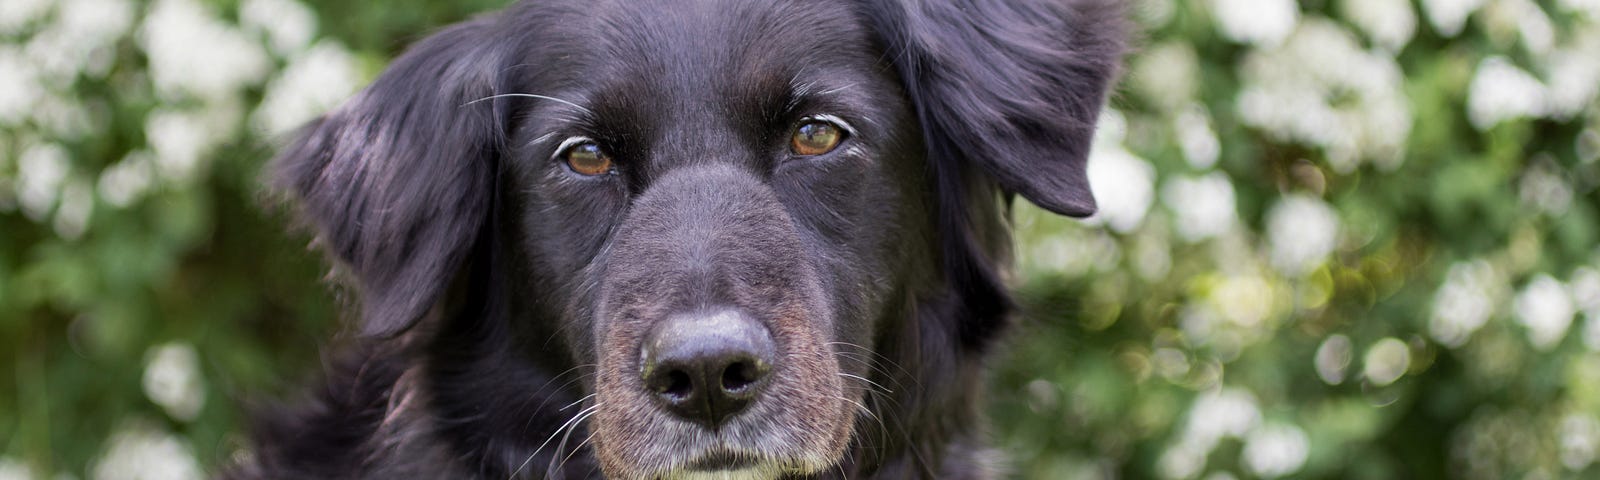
[713, 209]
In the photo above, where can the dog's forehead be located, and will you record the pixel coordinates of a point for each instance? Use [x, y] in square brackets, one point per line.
[718, 47]
[693, 31]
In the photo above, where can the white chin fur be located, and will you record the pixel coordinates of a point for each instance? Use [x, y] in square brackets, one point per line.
[753, 473]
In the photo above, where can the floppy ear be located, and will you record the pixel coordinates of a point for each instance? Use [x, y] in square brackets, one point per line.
[1012, 86]
[397, 181]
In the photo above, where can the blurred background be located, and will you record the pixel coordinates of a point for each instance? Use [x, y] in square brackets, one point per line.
[1339, 239]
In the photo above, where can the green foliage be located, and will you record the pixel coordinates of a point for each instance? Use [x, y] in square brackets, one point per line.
[1344, 238]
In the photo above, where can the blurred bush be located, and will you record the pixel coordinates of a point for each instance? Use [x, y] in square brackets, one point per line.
[1339, 238]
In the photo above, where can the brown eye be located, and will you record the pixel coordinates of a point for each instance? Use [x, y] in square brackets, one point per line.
[815, 137]
[586, 158]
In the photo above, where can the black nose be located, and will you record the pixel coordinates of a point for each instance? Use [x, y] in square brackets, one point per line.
[706, 367]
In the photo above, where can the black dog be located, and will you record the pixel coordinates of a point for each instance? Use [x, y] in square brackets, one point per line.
[687, 238]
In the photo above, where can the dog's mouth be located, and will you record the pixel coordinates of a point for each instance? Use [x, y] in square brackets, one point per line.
[720, 460]
[728, 463]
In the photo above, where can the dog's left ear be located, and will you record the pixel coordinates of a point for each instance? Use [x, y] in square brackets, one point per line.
[398, 181]
[1012, 86]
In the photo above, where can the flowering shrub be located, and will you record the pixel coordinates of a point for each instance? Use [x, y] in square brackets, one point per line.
[1337, 238]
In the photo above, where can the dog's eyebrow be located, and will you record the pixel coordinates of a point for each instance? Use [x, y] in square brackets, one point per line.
[543, 138]
[848, 128]
[799, 91]
[530, 95]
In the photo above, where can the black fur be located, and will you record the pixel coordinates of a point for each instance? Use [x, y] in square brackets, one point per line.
[504, 296]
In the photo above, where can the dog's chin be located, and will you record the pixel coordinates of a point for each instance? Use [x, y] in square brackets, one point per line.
[726, 464]
[729, 457]
[765, 444]
[720, 465]
[768, 471]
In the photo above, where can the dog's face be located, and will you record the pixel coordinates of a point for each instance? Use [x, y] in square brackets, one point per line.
[733, 187]
[712, 209]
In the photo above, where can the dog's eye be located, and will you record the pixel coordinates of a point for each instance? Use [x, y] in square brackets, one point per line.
[816, 137]
[587, 158]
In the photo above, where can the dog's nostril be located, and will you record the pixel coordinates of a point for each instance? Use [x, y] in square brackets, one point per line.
[677, 385]
[740, 376]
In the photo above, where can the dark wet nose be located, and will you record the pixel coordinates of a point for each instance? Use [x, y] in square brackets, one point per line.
[706, 367]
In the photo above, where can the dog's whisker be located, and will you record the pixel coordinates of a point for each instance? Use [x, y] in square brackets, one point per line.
[882, 428]
[868, 361]
[575, 451]
[560, 447]
[861, 350]
[864, 379]
[570, 405]
[532, 416]
[872, 367]
[570, 422]
[562, 386]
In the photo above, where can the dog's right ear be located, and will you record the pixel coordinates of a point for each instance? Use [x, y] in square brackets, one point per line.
[1011, 86]
[398, 181]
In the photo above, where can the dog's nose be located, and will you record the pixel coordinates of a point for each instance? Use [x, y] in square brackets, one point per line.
[706, 367]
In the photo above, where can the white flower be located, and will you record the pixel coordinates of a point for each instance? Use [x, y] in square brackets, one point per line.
[1301, 231]
[1321, 88]
[1448, 16]
[1074, 252]
[313, 83]
[1276, 450]
[1123, 183]
[1580, 441]
[1386, 361]
[1388, 23]
[1523, 18]
[1585, 286]
[1246, 300]
[1574, 75]
[1151, 257]
[1199, 142]
[1500, 91]
[1464, 302]
[1168, 74]
[81, 38]
[288, 24]
[1544, 191]
[1332, 358]
[11, 469]
[1588, 7]
[40, 172]
[172, 380]
[77, 202]
[181, 139]
[1591, 331]
[124, 182]
[1203, 206]
[16, 14]
[1216, 414]
[1122, 186]
[138, 452]
[1260, 22]
[1545, 308]
[62, 116]
[1184, 460]
[1228, 412]
[19, 86]
[192, 52]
